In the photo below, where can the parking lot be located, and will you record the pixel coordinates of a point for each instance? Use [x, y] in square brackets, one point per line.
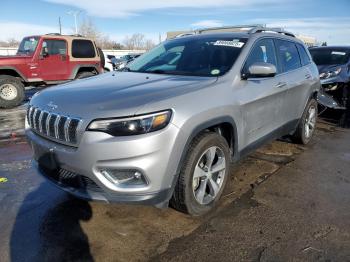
[283, 201]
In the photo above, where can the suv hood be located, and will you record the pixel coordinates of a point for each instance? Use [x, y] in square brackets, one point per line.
[115, 94]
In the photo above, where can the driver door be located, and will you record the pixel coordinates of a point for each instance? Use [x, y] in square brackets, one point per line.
[262, 98]
[54, 60]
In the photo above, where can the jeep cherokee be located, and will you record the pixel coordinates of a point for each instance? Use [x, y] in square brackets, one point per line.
[166, 128]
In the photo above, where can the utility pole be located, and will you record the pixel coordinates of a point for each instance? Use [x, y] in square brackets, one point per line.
[60, 25]
[75, 14]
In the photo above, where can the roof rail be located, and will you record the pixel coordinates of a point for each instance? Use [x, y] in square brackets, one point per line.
[53, 34]
[77, 35]
[251, 29]
[270, 29]
[235, 28]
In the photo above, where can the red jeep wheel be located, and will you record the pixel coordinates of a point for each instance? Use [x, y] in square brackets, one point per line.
[11, 92]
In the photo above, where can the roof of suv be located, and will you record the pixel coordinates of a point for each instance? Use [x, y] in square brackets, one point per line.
[239, 35]
[66, 37]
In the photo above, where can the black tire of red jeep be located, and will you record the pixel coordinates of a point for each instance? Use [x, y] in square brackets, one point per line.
[4, 79]
[102, 57]
[83, 75]
[299, 134]
[183, 198]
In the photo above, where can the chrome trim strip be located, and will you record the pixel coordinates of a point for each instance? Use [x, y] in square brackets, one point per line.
[56, 126]
[40, 121]
[28, 117]
[48, 124]
[34, 116]
[66, 128]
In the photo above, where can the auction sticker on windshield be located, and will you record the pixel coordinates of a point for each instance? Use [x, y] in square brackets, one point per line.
[229, 43]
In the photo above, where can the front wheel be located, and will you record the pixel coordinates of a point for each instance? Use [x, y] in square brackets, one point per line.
[203, 175]
[307, 124]
[11, 92]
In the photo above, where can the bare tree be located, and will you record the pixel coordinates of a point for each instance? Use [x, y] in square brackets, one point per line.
[12, 42]
[149, 44]
[138, 42]
[88, 29]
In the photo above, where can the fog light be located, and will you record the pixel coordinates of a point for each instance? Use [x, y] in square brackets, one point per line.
[124, 177]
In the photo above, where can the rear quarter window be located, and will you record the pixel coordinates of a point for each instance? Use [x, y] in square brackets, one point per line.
[288, 54]
[305, 58]
[83, 49]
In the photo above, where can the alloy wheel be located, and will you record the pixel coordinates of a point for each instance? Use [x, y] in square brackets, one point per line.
[209, 175]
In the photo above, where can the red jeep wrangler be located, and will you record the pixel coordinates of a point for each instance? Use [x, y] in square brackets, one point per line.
[46, 60]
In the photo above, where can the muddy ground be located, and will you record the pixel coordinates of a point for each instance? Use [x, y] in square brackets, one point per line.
[284, 202]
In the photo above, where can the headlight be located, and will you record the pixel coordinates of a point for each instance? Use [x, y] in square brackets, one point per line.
[132, 126]
[330, 74]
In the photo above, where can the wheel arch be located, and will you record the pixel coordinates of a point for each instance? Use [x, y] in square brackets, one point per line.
[84, 68]
[11, 71]
[225, 126]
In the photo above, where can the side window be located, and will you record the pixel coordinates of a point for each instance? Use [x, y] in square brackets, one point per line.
[288, 54]
[83, 49]
[263, 51]
[305, 58]
[55, 47]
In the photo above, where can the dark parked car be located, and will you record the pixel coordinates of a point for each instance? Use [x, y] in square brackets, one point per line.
[124, 60]
[333, 63]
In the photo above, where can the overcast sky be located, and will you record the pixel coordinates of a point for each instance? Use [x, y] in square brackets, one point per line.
[324, 19]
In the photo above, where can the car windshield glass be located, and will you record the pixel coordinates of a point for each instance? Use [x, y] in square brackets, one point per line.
[329, 56]
[194, 56]
[28, 45]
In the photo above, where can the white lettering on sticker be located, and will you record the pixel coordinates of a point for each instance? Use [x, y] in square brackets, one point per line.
[229, 43]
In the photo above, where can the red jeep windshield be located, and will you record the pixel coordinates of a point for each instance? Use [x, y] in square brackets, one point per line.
[28, 46]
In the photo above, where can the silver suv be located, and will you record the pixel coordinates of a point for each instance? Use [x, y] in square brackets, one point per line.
[166, 128]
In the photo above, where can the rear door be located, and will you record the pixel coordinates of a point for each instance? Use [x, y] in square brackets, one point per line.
[297, 78]
[53, 62]
[262, 98]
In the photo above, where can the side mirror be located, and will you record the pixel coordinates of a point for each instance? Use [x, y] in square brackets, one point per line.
[261, 69]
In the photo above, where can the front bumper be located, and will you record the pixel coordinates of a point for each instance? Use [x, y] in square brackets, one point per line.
[149, 154]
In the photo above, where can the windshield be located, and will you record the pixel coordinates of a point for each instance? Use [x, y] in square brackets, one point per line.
[195, 56]
[328, 56]
[28, 45]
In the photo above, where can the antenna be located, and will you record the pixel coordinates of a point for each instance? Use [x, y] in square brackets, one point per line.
[75, 14]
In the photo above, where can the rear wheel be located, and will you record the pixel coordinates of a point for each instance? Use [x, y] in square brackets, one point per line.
[11, 92]
[307, 124]
[203, 175]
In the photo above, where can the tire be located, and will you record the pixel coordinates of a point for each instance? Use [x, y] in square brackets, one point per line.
[102, 57]
[307, 124]
[11, 92]
[187, 197]
[83, 75]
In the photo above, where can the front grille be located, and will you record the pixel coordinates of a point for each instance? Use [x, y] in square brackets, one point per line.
[58, 127]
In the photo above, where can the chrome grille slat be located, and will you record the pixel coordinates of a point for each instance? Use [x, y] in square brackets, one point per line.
[55, 126]
[40, 121]
[48, 124]
[66, 127]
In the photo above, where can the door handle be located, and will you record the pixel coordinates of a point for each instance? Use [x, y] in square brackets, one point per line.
[307, 76]
[281, 84]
